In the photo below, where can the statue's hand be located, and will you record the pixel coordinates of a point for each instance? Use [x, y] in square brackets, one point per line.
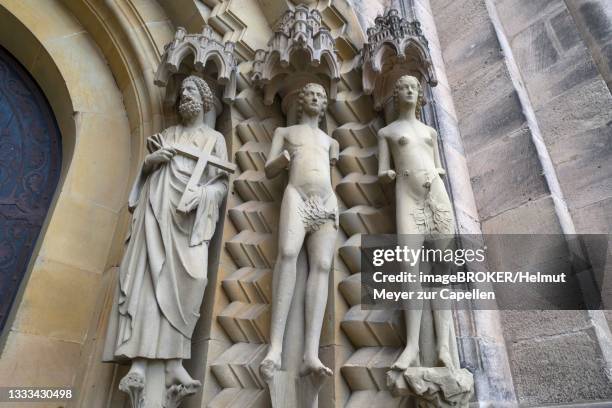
[163, 155]
[194, 195]
[193, 198]
[386, 176]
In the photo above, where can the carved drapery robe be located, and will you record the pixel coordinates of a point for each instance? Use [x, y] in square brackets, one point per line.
[163, 273]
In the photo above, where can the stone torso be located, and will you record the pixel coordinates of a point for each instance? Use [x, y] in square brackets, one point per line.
[412, 149]
[411, 145]
[309, 170]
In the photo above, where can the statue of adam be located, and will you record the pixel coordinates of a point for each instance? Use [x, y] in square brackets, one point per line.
[163, 273]
[309, 216]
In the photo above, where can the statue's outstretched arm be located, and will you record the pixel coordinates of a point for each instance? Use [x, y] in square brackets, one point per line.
[278, 159]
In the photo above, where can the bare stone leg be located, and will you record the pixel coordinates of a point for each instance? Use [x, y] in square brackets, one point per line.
[410, 355]
[412, 316]
[442, 320]
[441, 309]
[291, 237]
[321, 245]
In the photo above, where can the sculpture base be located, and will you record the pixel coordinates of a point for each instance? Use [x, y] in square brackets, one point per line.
[176, 393]
[151, 391]
[433, 387]
[289, 391]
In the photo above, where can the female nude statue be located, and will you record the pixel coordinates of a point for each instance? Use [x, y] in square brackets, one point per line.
[423, 209]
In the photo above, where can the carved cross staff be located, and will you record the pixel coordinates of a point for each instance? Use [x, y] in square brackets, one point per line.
[202, 160]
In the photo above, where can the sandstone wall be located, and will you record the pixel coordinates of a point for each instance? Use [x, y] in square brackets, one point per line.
[528, 79]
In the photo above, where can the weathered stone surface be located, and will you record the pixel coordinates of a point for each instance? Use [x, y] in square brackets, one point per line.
[497, 120]
[599, 23]
[481, 89]
[585, 178]
[448, 128]
[534, 49]
[459, 180]
[460, 19]
[575, 111]
[533, 217]
[467, 55]
[543, 369]
[595, 218]
[46, 310]
[44, 355]
[520, 14]
[506, 175]
[565, 30]
[574, 69]
[521, 325]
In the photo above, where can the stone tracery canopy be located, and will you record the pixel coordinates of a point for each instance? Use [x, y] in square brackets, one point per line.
[203, 48]
[300, 44]
[396, 46]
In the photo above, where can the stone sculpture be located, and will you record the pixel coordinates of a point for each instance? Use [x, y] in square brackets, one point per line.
[309, 217]
[423, 216]
[163, 274]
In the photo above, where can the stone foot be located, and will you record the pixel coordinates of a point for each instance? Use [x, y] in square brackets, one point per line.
[315, 367]
[177, 375]
[177, 392]
[408, 358]
[133, 385]
[269, 366]
[444, 358]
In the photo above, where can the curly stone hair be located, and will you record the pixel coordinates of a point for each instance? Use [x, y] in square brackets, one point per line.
[206, 94]
[419, 103]
[301, 95]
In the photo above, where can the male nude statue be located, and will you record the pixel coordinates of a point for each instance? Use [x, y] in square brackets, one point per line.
[423, 208]
[309, 214]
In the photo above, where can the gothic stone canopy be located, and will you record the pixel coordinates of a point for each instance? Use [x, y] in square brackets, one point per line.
[204, 48]
[395, 47]
[300, 44]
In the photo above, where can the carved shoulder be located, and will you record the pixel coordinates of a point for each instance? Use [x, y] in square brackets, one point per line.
[432, 132]
[220, 145]
[383, 133]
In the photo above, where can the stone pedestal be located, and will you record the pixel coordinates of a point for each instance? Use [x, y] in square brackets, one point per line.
[433, 387]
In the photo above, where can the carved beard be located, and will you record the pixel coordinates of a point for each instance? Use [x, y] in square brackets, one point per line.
[189, 108]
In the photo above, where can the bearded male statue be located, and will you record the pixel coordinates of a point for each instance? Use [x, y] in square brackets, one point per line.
[163, 273]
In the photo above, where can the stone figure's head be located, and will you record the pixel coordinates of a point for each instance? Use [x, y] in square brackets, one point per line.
[195, 97]
[407, 94]
[312, 100]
